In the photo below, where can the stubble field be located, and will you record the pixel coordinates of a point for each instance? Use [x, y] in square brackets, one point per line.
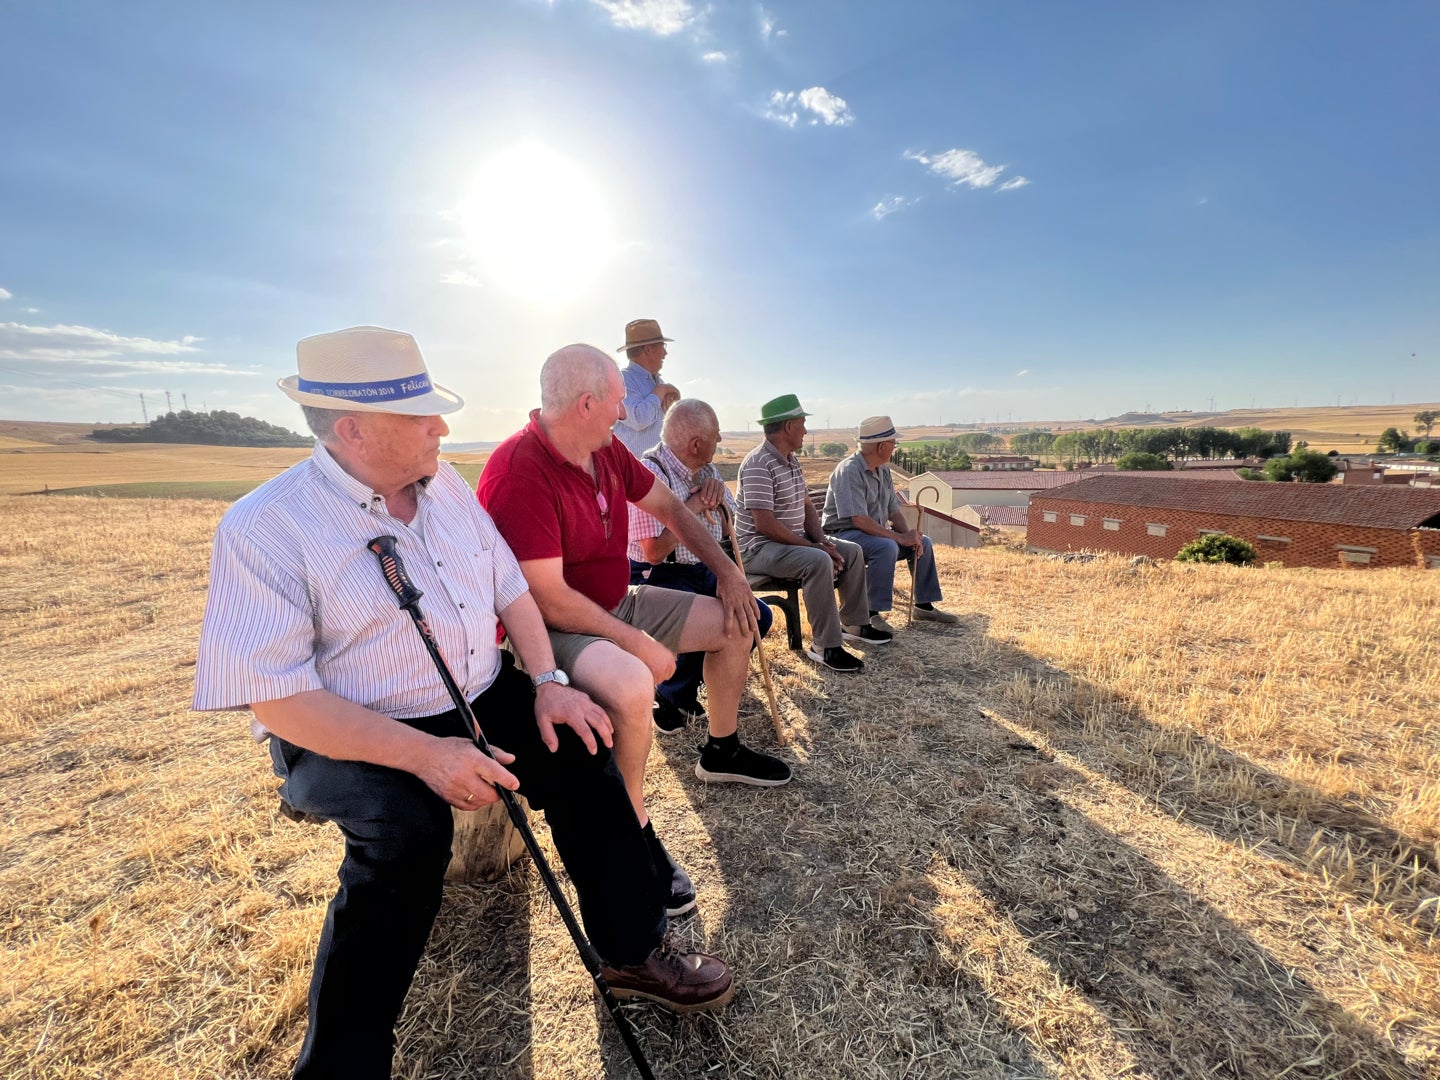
[1143, 822]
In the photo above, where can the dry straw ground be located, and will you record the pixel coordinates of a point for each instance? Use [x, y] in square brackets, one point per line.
[1152, 822]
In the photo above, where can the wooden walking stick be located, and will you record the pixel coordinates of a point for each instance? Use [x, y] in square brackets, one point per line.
[759, 645]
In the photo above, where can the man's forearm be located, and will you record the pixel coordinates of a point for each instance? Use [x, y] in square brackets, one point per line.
[327, 724]
[526, 630]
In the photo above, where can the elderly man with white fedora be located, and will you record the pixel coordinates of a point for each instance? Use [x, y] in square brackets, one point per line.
[647, 396]
[862, 506]
[302, 628]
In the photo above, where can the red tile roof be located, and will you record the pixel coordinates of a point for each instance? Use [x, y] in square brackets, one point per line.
[1000, 515]
[1045, 479]
[1332, 504]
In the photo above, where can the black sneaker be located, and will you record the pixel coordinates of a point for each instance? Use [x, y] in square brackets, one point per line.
[866, 635]
[667, 718]
[740, 765]
[680, 894]
[837, 659]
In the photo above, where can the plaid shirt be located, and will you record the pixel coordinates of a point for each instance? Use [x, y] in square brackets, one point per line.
[675, 475]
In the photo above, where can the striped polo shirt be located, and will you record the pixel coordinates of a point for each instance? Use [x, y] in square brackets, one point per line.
[297, 602]
[770, 481]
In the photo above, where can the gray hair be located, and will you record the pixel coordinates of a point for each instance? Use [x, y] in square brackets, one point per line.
[687, 419]
[572, 372]
[321, 422]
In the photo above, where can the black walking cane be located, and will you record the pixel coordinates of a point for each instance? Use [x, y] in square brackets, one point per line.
[409, 597]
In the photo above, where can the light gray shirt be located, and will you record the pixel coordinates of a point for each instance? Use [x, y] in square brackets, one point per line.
[855, 489]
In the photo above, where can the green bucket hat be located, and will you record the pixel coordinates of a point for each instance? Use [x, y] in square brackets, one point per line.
[784, 407]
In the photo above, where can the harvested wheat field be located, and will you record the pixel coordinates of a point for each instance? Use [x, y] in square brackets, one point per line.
[1168, 822]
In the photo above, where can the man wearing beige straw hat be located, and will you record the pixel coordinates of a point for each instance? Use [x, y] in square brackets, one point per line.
[647, 397]
[862, 506]
[302, 628]
[779, 533]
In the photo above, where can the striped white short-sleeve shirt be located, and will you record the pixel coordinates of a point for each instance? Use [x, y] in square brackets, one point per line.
[770, 481]
[675, 475]
[297, 602]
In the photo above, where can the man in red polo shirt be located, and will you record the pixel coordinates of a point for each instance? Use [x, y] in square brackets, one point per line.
[557, 491]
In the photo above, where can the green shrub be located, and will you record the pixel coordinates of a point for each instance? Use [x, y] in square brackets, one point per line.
[1141, 462]
[1218, 548]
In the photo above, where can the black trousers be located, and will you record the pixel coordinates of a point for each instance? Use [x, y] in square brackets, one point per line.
[397, 847]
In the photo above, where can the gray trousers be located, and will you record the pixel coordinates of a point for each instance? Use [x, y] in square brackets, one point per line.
[881, 555]
[816, 573]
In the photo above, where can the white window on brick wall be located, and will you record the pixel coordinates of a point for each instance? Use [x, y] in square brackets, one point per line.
[1434, 561]
[1048, 515]
[1355, 556]
[1077, 519]
[1112, 524]
[1273, 539]
[1211, 532]
[1156, 530]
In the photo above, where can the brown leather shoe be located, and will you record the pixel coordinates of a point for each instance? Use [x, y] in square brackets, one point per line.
[682, 982]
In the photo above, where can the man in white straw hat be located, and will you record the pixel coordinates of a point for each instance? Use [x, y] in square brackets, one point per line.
[862, 506]
[647, 396]
[301, 627]
[557, 490]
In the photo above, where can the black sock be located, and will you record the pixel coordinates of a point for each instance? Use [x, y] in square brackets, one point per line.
[926, 607]
[873, 614]
[725, 744]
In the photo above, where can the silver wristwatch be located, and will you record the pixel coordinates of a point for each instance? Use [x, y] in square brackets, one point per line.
[555, 675]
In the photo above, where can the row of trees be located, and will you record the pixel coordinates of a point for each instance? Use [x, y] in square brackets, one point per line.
[218, 428]
[1170, 444]
[1394, 441]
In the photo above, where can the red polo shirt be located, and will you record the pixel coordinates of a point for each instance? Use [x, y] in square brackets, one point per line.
[547, 508]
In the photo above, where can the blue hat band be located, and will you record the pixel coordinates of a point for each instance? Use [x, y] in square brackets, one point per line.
[392, 390]
[880, 436]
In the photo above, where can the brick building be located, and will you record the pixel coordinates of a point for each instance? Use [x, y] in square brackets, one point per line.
[1320, 525]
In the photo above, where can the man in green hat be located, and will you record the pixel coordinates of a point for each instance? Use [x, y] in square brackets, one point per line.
[778, 530]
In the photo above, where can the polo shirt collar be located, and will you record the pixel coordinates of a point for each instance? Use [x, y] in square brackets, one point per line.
[787, 458]
[353, 490]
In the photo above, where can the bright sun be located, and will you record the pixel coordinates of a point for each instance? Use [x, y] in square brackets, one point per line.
[536, 225]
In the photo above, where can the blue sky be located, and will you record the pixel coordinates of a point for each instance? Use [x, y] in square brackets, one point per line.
[944, 211]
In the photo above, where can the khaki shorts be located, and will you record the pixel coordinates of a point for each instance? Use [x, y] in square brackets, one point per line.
[661, 613]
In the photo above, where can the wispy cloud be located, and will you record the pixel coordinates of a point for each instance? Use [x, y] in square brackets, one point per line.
[84, 345]
[6, 294]
[965, 168]
[662, 17]
[788, 107]
[889, 205]
[462, 277]
[1022, 372]
[768, 27]
[715, 57]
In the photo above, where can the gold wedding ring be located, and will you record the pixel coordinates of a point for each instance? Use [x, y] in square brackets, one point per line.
[469, 796]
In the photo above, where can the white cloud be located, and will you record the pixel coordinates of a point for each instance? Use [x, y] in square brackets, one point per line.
[662, 17]
[1025, 371]
[889, 205]
[84, 345]
[6, 294]
[965, 167]
[715, 57]
[825, 108]
[462, 277]
[768, 29]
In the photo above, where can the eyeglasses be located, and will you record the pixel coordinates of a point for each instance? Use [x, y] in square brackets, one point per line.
[604, 511]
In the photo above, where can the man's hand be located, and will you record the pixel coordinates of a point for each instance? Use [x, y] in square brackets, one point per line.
[709, 495]
[909, 538]
[667, 394]
[564, 705]
[465, 778]
[659, 659]
[742, 611]
[834, 553]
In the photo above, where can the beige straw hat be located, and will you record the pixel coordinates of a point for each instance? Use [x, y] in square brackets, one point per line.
[369, 369]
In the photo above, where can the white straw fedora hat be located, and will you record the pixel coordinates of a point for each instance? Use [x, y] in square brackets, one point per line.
[877, 429]
[369, 369]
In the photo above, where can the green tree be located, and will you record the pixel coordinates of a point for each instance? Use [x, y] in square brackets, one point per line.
[1305, 466]
[1426, 419]
[1136, 461]
[832, 449]
[1396, 442]
[1218, 548]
